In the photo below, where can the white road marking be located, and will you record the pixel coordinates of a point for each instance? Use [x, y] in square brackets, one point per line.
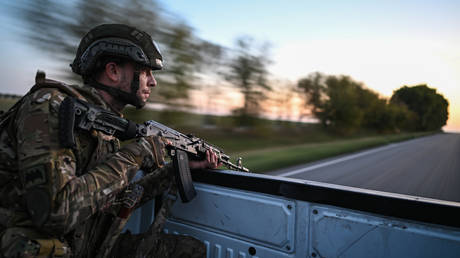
[331, 162]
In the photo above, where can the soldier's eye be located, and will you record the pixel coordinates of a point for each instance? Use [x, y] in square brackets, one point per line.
[148, 72]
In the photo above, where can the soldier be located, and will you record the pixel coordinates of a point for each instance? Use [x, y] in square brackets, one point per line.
[66, 201]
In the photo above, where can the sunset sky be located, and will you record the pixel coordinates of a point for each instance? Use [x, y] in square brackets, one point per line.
[384, 44]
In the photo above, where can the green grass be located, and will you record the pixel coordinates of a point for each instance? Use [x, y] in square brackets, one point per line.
[260, 161]
[6, 103]
[266, 145]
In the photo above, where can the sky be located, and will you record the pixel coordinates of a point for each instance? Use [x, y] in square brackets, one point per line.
[383, 44]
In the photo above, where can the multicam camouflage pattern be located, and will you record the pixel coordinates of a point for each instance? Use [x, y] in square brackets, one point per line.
[27, 242]
[66, 196]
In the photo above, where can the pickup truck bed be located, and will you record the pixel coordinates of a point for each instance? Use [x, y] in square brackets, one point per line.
[250, 215]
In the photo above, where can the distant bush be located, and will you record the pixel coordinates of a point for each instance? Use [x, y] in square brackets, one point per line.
[346, 106]
[429, 107]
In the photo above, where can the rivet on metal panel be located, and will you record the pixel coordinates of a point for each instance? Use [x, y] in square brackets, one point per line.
[289, 206]
[252, 251]
[288, 247]
[315, 212]
[313, 254]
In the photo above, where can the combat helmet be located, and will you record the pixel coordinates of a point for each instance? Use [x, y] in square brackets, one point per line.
[119, 41]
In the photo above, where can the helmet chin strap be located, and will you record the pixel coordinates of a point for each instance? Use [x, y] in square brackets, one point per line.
[126, 97]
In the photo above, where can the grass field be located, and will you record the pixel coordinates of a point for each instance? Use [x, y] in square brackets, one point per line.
[270, 145]
[6, 103]
[266, 144]
[260, 161]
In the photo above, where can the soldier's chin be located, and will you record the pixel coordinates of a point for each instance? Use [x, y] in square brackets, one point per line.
[141, 104]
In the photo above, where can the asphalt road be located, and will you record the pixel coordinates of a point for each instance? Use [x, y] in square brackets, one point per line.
[426, 167]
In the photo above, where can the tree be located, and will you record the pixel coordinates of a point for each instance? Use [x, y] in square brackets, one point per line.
[185, 56]
[430, 107]
[56, 27]
[314, 90]
[385, 116]
[339, 102]
[344, 105]
[248, 72]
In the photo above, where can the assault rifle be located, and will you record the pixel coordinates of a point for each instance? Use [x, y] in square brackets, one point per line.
[75, 113]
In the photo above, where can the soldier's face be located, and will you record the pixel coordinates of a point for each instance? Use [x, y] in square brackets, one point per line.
[146, 82]
[126, 76]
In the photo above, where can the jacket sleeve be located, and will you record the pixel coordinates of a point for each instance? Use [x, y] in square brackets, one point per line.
[56, 198]
[157, 182]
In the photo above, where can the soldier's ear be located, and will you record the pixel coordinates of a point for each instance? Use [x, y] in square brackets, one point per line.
[113, 72]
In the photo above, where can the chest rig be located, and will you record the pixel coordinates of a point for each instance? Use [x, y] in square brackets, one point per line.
[91, 147]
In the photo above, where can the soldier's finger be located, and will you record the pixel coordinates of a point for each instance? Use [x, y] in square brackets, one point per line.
[208, 156]
[214, 160]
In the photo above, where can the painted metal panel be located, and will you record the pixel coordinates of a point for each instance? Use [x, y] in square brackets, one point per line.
[223, 246]
[242, 223]
[141, 218]
[258, 218]
[337, 232]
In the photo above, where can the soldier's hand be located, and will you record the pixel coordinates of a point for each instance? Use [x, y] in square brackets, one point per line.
[151, 150]
[211, 161]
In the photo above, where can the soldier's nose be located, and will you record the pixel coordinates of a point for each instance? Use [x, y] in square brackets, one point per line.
[152, 82]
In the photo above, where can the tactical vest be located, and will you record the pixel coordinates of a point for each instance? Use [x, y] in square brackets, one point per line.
[10, 186]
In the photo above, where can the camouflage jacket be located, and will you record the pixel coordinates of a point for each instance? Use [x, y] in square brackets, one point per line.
[67, 193]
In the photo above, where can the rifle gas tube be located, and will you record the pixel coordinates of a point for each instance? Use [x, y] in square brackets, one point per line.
[74, 113]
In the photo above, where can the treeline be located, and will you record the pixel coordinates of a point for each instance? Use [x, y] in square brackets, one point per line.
[346, 106]
[338, 102]
[56, 27]
[9, 96]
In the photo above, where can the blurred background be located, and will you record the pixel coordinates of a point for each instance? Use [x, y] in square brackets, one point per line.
[253, 76]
